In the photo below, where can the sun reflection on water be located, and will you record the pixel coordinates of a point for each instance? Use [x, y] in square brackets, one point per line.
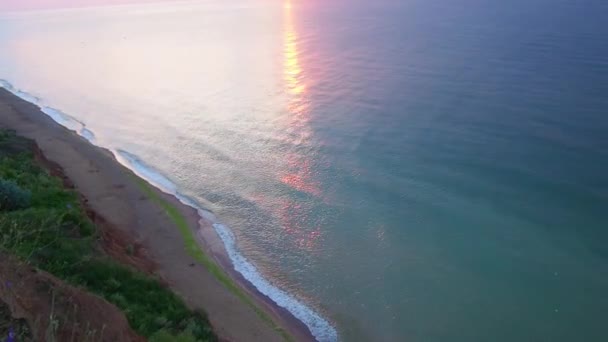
[299, 167]
[292, 71]
[298, 129]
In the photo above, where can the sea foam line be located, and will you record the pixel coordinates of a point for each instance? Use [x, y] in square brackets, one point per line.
[320, 328]
[58, 116]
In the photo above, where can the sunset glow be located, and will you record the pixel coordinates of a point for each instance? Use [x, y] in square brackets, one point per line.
[300, 177]
[300, 174]
[18, 5]
[292, 71]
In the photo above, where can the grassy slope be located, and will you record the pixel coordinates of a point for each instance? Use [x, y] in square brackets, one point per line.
[193, 248]
[55, 235]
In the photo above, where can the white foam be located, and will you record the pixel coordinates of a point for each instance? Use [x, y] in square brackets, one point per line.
[87, 134]
[27, 97]
[146, 172]
[58, 116]
[321, 329]
[62, 118]
[4, 84]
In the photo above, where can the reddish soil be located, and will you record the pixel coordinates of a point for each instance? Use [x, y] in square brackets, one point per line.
[55, 311]
[116, 243]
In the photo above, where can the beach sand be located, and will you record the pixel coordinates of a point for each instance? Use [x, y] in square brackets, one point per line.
[113, 193]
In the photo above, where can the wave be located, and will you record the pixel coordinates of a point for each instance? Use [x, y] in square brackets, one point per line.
[320, 328]
[58, 116]
[146, 172]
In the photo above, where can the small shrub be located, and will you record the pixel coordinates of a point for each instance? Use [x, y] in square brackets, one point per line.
[12, 197]
[162, 336]
[166, 336]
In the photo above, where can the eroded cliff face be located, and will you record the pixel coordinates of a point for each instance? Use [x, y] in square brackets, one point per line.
[36, 306]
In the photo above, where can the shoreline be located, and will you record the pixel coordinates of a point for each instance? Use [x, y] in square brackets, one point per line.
[237, 310]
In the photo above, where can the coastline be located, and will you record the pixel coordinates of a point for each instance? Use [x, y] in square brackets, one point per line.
[192, 259]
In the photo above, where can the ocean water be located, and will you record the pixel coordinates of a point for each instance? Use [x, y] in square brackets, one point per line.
[415, 170]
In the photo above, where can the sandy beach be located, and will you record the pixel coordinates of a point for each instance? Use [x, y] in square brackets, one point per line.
[112, 192]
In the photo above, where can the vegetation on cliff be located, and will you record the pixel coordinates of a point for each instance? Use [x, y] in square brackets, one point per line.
[45, 224]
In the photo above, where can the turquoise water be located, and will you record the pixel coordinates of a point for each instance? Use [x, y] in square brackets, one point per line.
[408, 170]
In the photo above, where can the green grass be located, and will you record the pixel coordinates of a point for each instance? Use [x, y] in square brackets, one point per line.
[55, 235]
[194, 250]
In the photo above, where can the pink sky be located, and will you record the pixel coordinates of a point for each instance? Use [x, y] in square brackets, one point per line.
[44, 4]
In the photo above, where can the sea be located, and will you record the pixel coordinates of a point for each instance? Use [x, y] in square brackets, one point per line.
[387, 170]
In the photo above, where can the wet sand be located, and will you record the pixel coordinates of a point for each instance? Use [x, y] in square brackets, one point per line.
[113, 193]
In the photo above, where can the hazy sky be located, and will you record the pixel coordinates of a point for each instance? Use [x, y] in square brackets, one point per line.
[42, 4]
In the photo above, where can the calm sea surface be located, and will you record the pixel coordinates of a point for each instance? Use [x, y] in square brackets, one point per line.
[415, 170]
